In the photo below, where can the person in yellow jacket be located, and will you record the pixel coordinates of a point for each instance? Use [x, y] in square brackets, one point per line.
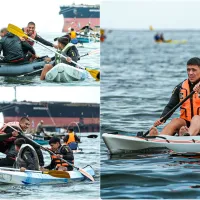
[71, 139]
[188, 124]
[72, 35]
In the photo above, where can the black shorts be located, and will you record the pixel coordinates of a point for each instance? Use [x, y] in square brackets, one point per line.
[187, 123]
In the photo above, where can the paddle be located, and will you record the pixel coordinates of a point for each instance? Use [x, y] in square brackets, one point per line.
[90, 53]
[19, 32]
[172, 110]
[30, 73]
[55, 173]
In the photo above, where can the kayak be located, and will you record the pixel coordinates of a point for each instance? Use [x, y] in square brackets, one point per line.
[85, 39]
[118, 144]
[9, 175]
[7, 69]
[41, 142]
[173, 41]
[65, 73]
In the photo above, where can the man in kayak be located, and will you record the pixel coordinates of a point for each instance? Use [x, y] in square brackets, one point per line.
[61, 151]
[157, 37]
[189, 121]
[14, 50]
[40, 128]
[8, 147]
[72, 35]
[30, 31]
[67, 49]
[27, 157]
[71, 139]
[86, 29]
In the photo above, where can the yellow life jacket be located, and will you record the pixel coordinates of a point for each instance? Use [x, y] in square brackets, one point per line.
[73, 34]
[71, 138]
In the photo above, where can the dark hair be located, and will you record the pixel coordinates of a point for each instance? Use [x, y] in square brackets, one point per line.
[4, 30]
[23, 119]
[70, 129]
[54, 140]
[72, 29]
[194, 61]
[18, 142]
[31, 23]
[64, 40]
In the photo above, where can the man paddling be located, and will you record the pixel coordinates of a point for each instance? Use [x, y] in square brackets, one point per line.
[188, 124]
[61, 151]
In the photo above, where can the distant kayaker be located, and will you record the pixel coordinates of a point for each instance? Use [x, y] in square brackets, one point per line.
[14, 50]
[61, 151]
[162, 37]
[7, 146]
[67, 49]
[27, 157]
[71, 139]
[86, 29]
[72, 35]
[157, 37]
[189, 121]
[30, 31]
[40, 128]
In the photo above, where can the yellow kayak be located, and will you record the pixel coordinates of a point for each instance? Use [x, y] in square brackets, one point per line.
[173, 41]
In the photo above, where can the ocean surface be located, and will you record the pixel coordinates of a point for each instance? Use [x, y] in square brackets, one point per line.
[78, 190]
[138, 77]
[91, 61]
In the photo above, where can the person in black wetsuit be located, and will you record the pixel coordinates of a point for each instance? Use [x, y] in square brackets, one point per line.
[14, 50]
[189, 121]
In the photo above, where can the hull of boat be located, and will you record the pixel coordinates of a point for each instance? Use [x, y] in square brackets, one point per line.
[118, 144]
[65, 73]
[27, 178]
[20, 69]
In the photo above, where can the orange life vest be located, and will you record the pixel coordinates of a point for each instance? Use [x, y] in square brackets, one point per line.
[73, 34]
[192, 106]
[32, 36]
[58, 161]
[71, 138]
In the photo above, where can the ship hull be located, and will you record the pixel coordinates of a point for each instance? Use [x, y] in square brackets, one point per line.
[77, 24]
[78, 16]
[54, 114]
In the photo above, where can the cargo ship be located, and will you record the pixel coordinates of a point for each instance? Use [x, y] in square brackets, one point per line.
[54, 114]
[78, 16]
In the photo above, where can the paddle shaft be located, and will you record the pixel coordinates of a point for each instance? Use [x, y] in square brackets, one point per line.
[172, 110]
[55, 52]
[89, 53]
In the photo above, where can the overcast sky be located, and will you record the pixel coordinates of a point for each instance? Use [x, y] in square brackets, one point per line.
[84, 94]
[45, 13]
[140, 14]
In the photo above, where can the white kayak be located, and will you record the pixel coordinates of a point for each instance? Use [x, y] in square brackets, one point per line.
[65, 73]
[118, 144]
[9, 175]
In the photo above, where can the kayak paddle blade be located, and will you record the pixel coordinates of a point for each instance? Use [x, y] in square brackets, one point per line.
[84, 173]
[58, 174]
[16, 31]
[94, 73]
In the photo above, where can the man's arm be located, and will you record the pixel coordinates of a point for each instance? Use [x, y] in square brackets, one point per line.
[174, 100]
[43, 41]
[27, 47]
[67, 153]
[77, 138]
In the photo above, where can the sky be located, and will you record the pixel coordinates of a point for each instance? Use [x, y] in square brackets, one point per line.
[45, 13]
[140, 14]
[77, 94]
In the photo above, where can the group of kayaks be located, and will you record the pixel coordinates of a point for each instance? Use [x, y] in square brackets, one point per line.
[120, 144]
